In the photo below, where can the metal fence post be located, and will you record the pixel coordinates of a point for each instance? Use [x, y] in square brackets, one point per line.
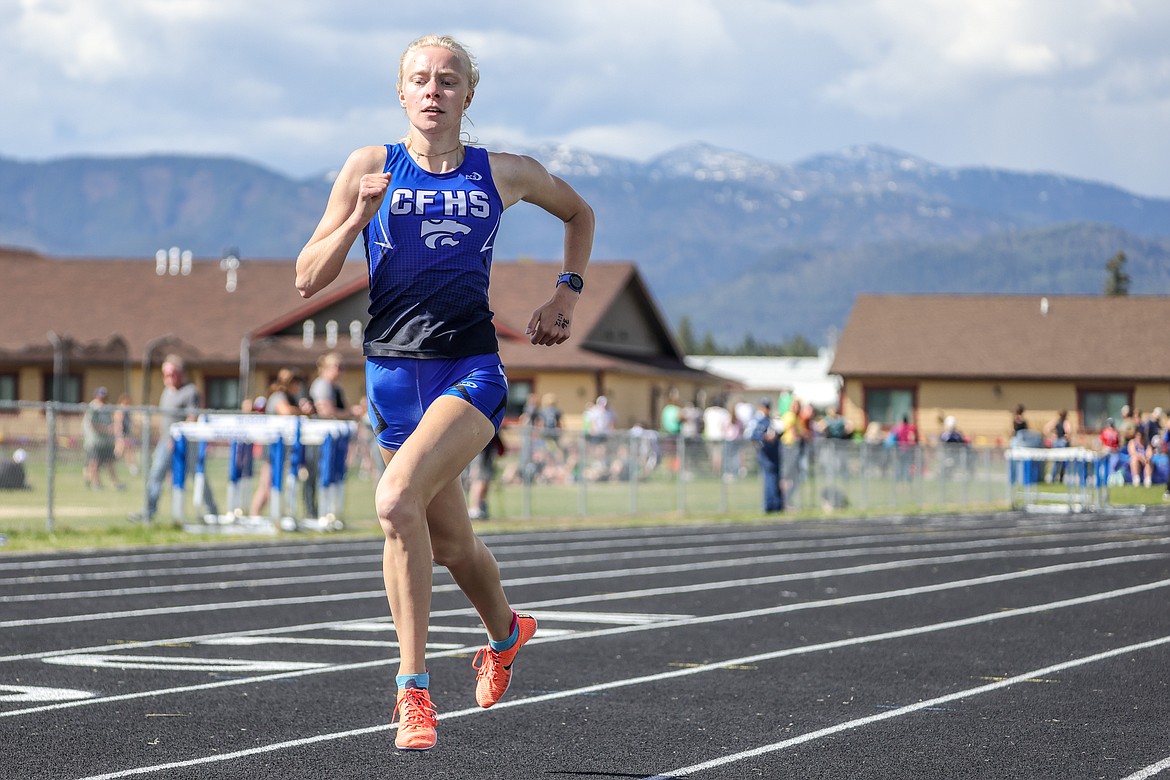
[51, 465]
[582, 490]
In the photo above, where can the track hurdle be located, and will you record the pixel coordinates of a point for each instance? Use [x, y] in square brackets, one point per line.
[1082, 488]
[285, 437]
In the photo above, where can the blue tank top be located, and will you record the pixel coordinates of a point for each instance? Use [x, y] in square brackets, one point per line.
[429, 252]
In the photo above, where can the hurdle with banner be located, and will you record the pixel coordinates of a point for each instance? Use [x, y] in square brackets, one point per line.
[286, 438]
[1082, 487]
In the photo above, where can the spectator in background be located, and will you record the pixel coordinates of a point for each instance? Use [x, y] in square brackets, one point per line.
[481, 471]
[12, 473]
[326, 393]
[834, 426]
[1110, 439]
[716, 421]
[670, 423]
[1058, 433]
[836, 431]
[125, 442]
[950, 432]
[548, 417]
[905, 436]
[1151, 425]
[670, 420]
[99, 441]
[179, 401]
[1127, 425]
[282, 399]
[600, 420]
[1141, 459]
[770, 453]
[1019, 422]
[328, 400]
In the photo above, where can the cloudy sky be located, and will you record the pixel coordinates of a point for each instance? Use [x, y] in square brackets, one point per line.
[1077, 87]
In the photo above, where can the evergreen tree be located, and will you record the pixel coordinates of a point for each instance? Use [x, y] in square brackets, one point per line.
[1117, 280]
[686, 335]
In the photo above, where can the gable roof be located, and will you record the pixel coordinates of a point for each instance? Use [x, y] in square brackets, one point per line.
[616, 324]
[1078, 337]
[116, 308]
[95, 301]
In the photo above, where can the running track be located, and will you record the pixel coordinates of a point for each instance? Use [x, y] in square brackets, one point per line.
[995, 646]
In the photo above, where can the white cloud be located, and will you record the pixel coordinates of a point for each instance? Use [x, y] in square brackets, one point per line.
[296, 84]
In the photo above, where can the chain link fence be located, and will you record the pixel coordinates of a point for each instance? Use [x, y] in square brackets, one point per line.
[47, 474]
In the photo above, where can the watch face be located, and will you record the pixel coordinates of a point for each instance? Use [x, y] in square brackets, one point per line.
[575, 282]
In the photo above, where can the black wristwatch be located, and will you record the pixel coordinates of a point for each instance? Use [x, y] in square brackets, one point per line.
[574, 280]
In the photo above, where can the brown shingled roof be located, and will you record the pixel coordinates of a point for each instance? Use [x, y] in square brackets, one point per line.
[92, 301]
[517, 288]
[1006, 337]
[100, 303]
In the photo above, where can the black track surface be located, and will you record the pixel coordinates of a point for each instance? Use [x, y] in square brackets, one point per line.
[996, 646]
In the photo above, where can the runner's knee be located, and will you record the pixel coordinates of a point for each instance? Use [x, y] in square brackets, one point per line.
[400, 511]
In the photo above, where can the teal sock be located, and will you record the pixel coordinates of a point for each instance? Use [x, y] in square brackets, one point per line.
[413, 680]
[506, 644]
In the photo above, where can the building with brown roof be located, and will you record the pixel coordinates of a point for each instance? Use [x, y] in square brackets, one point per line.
[977, 357]
[111, 322]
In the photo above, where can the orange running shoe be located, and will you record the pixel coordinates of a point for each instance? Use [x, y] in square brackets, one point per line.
[495, 669]
[416, 720]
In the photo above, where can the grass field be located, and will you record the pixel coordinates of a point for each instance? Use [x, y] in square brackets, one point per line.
[98, 518]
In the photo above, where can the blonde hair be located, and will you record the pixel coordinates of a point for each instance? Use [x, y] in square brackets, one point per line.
[470, 68]
[329, 359]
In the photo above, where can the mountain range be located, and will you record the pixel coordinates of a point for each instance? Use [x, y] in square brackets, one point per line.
[735, 244]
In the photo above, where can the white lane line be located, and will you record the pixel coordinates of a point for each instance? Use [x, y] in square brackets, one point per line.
[1046, 671]
[845, 547]
[171, 663]
[544, 579]
[255, 641]
[691, 541]
[719, 618]
[1150, 771]
[373, 543]
[614, 684]
[515, 582]
[506, 543]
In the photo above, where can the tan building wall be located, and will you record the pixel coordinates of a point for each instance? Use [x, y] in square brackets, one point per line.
[983, 410]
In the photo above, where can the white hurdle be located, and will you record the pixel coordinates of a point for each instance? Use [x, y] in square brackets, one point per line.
[286, 438]
[1082, 486]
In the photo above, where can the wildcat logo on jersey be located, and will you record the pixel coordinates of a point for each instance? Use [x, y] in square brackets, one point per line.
[442, 232]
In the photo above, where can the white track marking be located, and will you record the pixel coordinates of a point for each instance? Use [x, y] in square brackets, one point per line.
[719, 618]
[689, 540]
[1046, 671]
[170, 663]
[572, 577]
[843, 548]
[515, 582]
[746, 660]
[256, 641]
[1150, 771]
[27, 694]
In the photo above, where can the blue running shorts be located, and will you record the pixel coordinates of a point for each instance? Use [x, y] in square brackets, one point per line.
[401, 389]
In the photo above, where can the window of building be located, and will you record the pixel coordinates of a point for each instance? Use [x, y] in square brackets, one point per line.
[1095, 406]
[70, 388]
[9, 387]
[223, 392]
[518, 392]
[887, 405]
